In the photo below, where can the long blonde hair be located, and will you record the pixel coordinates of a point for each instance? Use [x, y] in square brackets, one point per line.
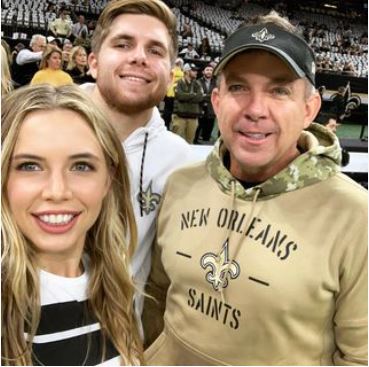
[6, 80]
[109, 243]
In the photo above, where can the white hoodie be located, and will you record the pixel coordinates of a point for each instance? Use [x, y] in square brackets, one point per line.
[164, 153]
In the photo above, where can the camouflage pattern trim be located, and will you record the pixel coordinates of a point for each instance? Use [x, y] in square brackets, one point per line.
[321, 159]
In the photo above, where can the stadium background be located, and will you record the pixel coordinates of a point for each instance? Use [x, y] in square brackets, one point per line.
[335, 29]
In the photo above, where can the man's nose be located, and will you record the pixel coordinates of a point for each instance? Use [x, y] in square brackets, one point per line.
[256, 107]
[139, 55]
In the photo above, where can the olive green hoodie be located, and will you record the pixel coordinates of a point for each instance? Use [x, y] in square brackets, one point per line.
[271, 275]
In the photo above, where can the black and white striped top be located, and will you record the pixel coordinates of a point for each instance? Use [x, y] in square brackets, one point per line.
[68, 335]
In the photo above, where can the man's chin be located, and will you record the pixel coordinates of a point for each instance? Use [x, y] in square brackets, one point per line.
[131, 107]
[129, 104]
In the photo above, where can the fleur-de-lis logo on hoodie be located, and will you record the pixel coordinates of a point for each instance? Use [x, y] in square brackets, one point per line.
[220, 268]
[148, 200]
[263, 35]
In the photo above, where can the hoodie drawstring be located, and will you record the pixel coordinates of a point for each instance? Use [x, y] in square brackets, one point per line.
[233, 196]
[141, 173]
[249, 218]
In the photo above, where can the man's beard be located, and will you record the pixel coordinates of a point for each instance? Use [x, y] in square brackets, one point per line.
[129, 106]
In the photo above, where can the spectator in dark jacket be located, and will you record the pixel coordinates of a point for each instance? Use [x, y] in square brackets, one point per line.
[206, 121]
[77, 67]
[204, 49]
[187, 108]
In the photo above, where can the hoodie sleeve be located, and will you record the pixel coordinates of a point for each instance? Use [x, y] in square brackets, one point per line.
[156, 292]
[351, 317]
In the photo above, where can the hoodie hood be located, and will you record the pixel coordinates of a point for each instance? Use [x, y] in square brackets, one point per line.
[320, 160]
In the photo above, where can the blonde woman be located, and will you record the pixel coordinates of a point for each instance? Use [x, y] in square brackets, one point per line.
[68, 234]
[6, 80]
[77, 67]
[50, 69]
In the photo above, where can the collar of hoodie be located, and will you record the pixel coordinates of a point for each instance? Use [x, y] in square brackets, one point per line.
[152, 128]
[320, 160]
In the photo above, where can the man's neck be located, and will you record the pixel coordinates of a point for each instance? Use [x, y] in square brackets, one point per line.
[123, 124]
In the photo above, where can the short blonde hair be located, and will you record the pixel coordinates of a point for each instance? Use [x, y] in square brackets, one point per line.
[154, 8]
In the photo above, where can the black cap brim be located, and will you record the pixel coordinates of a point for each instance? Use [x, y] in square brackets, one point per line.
[292, 49]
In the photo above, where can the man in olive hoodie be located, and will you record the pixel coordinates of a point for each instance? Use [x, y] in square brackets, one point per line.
[261, 251]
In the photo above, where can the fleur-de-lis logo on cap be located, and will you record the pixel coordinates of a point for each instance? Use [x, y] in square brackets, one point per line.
[263, 35]
[221, 269]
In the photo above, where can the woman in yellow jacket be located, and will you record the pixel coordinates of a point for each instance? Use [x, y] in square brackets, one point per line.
[50, 69]
[169, 98]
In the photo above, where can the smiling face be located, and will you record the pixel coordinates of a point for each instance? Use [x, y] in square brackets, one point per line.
[57, 181]
[262, 109]
[133, 68]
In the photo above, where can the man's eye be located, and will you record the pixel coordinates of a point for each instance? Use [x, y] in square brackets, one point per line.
[28, 166]
[157, 51]
[281, 91]
[83, 167]
[236, 88]
[122, 45]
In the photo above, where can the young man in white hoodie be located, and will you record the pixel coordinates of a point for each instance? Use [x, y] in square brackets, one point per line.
[133, 50]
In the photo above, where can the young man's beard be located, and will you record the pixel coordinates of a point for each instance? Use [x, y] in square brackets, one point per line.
[126, 105]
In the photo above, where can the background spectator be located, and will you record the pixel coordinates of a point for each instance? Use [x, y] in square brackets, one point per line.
[50, 69]
[79, 29]
[186, 31]
[177, 73]
[61, 27]
[204, 49]
[28, 60]
[78, 67]
[189, 52]
[67, 48]
[206, 120]
[187, 109]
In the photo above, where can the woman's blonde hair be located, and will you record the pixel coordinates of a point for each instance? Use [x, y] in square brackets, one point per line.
[109, 243]
[73, 53]
[6, 79]
[48, 51]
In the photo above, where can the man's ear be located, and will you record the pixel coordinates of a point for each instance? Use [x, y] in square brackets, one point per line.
[92, 63]
[215, 99]
[313, 104]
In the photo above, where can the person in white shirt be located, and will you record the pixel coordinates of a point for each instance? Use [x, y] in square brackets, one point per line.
[134, 47]
[79, 29]
[189, 52]
[28, 59]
